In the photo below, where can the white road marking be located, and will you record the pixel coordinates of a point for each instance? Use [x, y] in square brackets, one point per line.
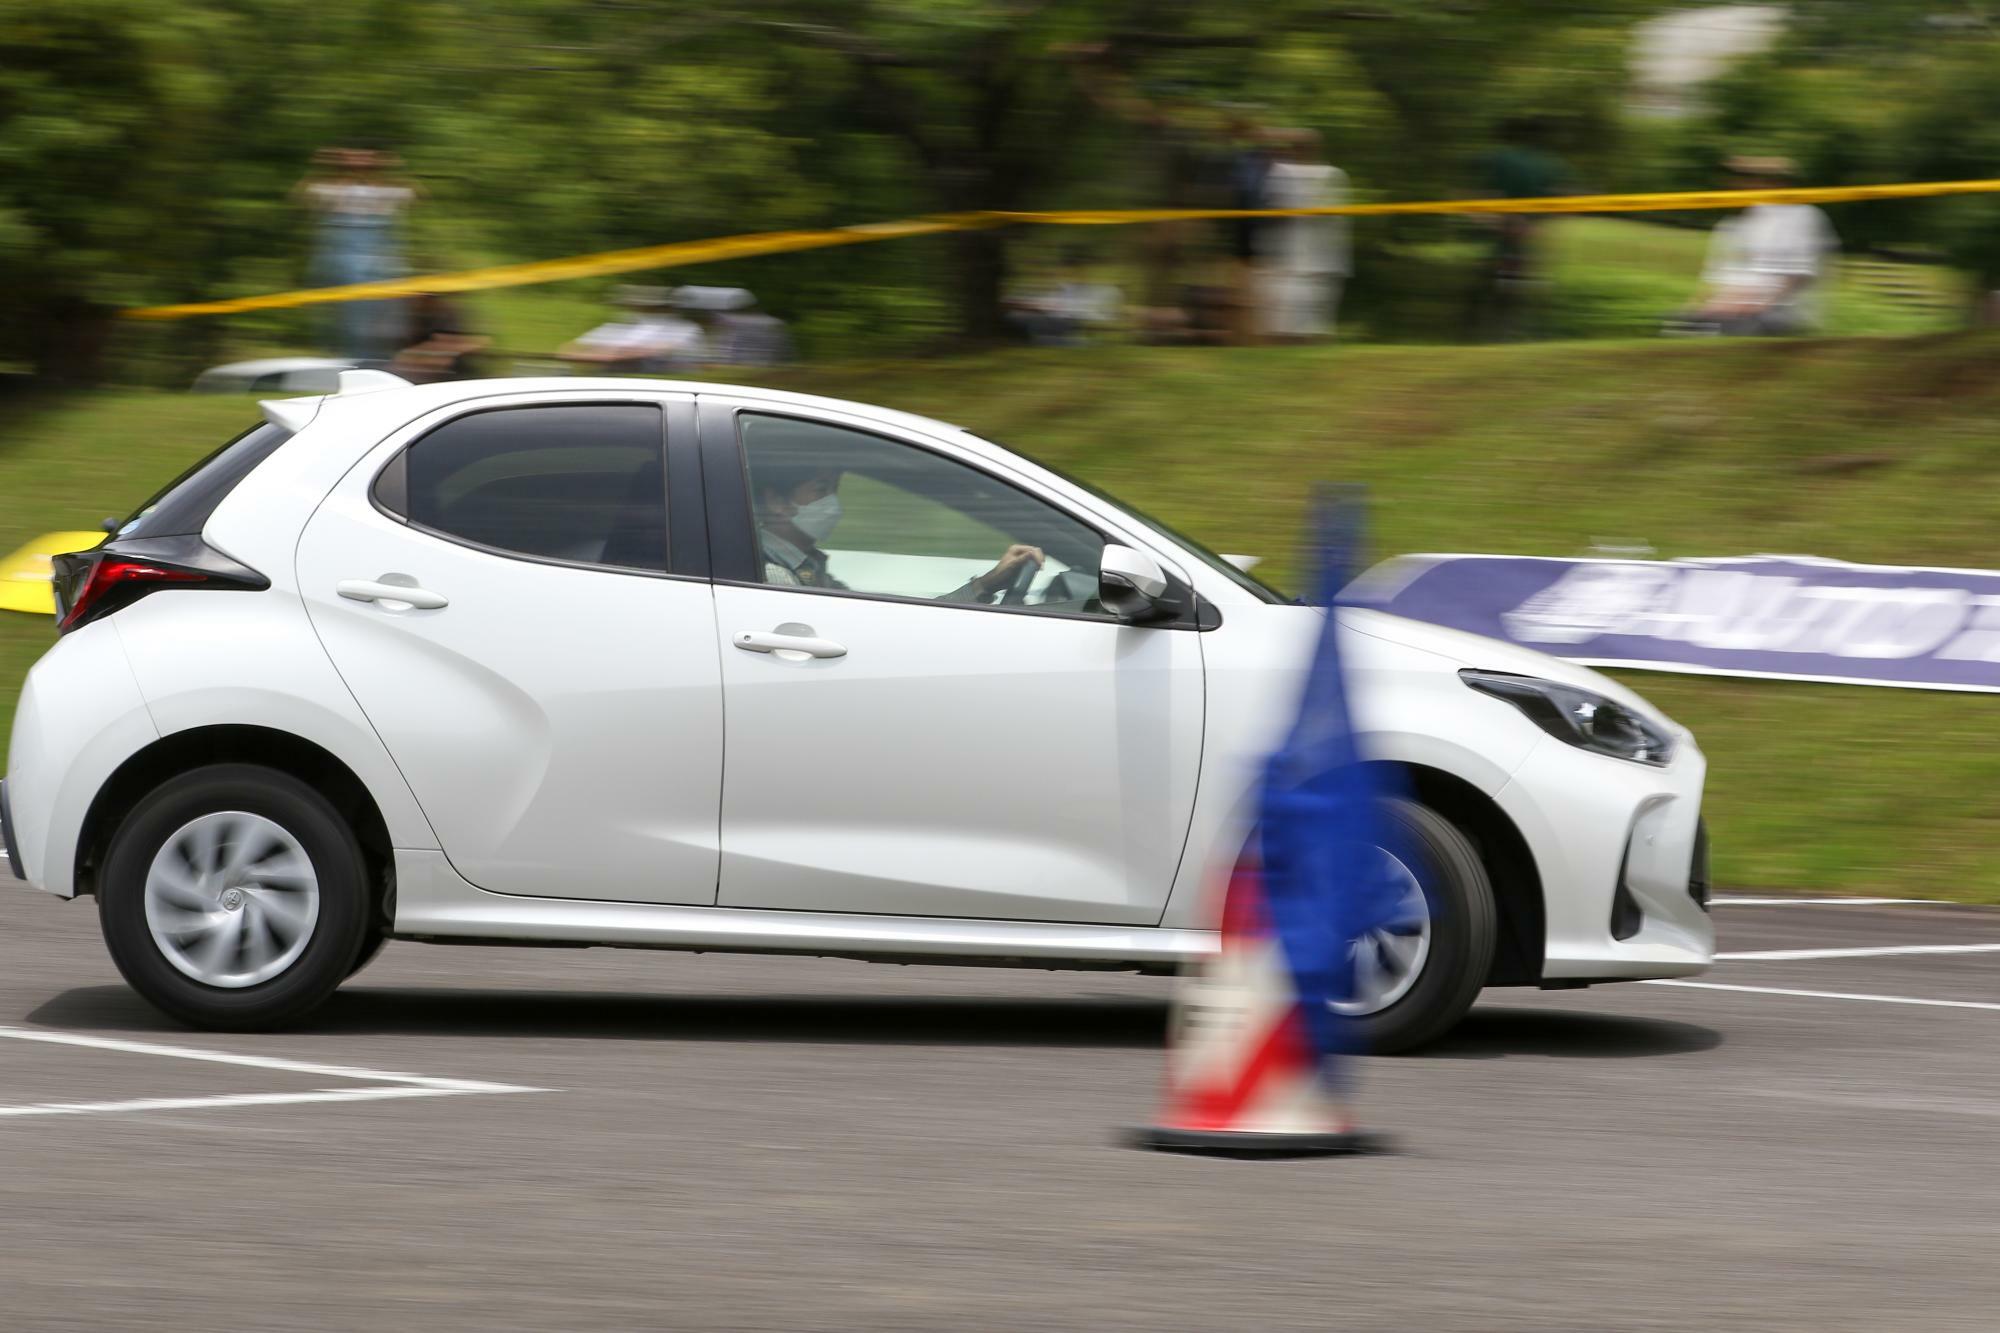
[1738, 900]
[403, 1085]
[1931, 1105]
[1826, 994]
[221, 1102]
[259, 1061]
[1872, 951]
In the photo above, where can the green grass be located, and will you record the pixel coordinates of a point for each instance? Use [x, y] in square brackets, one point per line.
[1617, 278]
[1871, 449]
[1613, 277]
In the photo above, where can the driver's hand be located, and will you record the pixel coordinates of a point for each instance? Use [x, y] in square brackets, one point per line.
[1009, 568]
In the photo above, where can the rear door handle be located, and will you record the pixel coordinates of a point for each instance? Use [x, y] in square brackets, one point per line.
[367, 590]
[754, 641]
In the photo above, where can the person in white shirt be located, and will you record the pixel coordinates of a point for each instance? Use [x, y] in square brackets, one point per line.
[648, 338]
[737, 332]
[1068, 308]
[1302, 262]
[1766, 266]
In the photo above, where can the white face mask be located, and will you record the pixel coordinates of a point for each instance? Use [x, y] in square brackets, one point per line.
[819, 518]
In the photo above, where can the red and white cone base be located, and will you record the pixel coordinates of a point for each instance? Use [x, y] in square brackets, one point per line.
[1242, 1079]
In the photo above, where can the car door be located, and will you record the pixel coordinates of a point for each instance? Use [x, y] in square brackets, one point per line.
[903, 738]
[502, 590]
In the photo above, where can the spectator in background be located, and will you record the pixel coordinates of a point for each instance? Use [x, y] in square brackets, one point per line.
[1302, 262]
[358, 206]
[1186, 171]
[1765, 265]
[1184, 167]
[648, 338]
[1520, 166]
[1254, 150]
[441, 343]
[737, 332]
[1066, 311]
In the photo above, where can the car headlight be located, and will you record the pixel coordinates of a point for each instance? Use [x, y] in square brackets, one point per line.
[1582, 718]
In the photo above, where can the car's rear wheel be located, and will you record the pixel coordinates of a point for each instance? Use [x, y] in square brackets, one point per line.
[234, 896]
[1416, 976]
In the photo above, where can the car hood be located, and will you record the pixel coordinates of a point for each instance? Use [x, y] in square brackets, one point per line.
[1476, 650]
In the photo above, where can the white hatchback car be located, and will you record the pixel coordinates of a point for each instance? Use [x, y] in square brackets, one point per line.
[677, 666]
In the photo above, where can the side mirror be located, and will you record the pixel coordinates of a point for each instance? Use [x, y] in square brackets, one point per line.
[1131, 584]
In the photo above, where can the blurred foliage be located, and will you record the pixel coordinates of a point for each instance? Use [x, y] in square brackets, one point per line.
[1859, 92]
[148, 147]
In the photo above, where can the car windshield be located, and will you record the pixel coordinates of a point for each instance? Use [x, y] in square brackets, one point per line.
[1243, 579]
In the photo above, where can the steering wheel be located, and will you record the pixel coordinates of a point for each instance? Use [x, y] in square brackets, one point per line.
[1017, 590]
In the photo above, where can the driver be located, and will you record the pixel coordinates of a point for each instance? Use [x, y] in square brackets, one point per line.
[798, 507]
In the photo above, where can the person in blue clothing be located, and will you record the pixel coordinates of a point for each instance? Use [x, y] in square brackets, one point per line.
[358, 204]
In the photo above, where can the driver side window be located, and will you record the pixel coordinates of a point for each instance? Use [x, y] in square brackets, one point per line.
[843, 510]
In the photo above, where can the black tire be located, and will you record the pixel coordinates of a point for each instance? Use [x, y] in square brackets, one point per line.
[338, 934]
[370, 946]
[1462, 933]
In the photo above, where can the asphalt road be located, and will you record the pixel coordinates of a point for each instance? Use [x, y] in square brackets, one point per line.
[725, 1143]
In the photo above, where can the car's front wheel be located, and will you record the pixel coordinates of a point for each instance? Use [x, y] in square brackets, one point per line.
[1416, 975]
[234, 896]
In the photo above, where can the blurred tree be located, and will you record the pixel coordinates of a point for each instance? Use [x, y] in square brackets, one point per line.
[1452, 72]
[1951, 131]
[99, 101]
[983, 97]
[1865, 91]
[148, 147]
[990, 98]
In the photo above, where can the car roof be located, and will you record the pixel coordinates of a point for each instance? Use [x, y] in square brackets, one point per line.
[407, 402]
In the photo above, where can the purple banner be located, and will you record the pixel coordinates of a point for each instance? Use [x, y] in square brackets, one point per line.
[1784, 617]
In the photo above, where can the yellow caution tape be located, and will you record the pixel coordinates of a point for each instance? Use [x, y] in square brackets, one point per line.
[749, 246]
[577, 266]
[1675, 201]
[25, 575]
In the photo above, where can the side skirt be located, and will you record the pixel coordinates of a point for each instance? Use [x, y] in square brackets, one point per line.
[434, 904]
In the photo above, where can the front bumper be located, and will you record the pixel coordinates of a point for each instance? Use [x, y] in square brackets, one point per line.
[1623, 861]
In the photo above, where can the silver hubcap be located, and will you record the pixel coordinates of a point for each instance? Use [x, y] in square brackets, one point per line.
[231, 899]
[1388, 960]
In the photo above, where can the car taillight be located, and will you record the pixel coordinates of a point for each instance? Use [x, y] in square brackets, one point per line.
[90, 585]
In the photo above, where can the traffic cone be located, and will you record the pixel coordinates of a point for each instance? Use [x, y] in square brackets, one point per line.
[1242, 1078]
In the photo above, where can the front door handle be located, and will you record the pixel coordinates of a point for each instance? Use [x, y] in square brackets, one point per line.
[804, 645]
[367, 590]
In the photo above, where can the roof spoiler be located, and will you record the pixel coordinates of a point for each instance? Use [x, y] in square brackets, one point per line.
[295, 414]
[369, 381]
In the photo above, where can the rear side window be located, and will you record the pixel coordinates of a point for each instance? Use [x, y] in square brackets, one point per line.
[183, 507]
[583, 484]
